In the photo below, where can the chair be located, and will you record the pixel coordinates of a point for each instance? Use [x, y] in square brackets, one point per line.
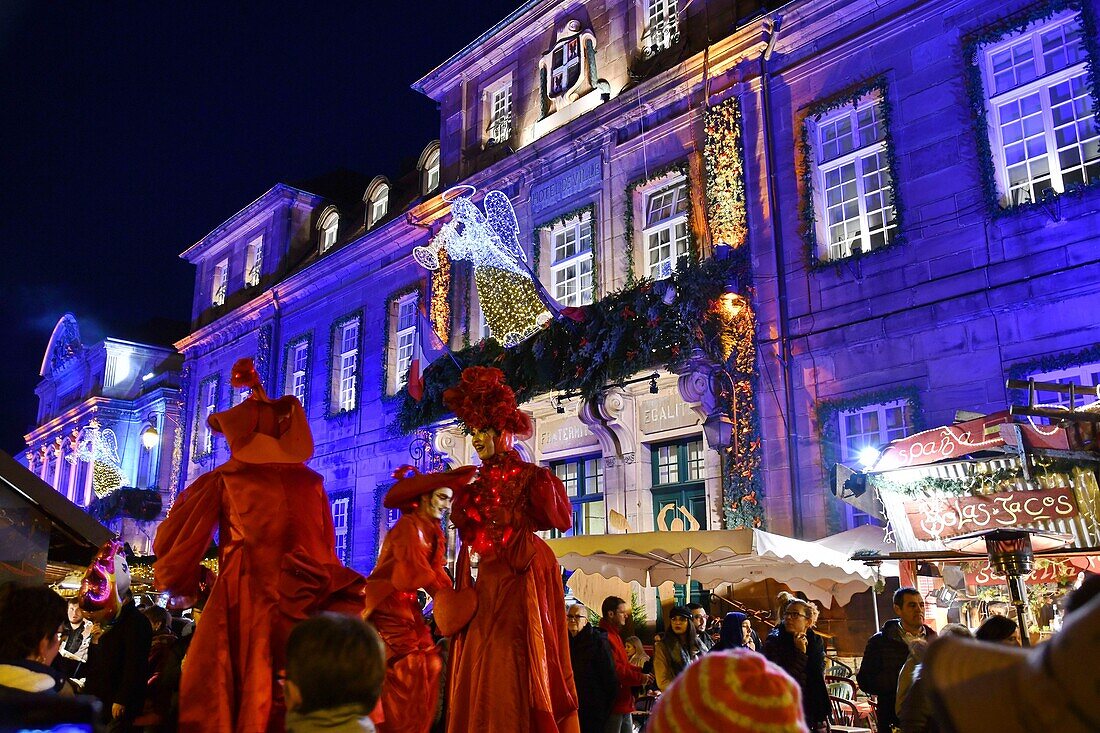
[837, 668]
[842, 687]
[844, 716]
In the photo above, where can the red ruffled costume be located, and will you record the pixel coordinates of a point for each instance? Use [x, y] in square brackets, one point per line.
[277, 564]
[510, 668]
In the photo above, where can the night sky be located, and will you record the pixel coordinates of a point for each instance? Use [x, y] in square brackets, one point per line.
[131, 130]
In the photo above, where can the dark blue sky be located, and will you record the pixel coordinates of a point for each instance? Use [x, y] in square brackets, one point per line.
[130, 130]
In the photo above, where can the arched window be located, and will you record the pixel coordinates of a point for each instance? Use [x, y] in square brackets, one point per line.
[330, 224]
[378, 202]
[429, 168]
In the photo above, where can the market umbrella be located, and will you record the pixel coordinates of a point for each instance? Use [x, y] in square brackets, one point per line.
[714, 557]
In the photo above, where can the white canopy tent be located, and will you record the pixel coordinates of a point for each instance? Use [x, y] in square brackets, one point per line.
[715, 557]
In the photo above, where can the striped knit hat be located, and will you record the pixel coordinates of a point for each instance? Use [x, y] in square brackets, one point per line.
[729, 692]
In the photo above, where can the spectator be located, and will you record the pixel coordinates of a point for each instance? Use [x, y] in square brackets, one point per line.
[699, 619]
[737, 632]
[1089, 589]
[678, 647]
[1046, 611]
[993, 687]
[887, 650]
[593, 670]
[334, 670]
[614, 613]
[635, 654]
[796, 647]
[118, 658]
[160, 619]
[999, 629]
[755, 695]
[75, 638]
[32, 620]
[914, 705]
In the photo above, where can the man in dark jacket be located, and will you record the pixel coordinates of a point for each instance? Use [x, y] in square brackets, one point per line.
[593, 670]
[887, 651]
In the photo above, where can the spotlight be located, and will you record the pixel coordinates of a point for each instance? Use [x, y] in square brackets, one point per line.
[868, 456]
[653, 388]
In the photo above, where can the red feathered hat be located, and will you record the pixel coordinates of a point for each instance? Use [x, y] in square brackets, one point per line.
[412, 484]
[482, 400]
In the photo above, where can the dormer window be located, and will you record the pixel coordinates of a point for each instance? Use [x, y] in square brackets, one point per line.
[330, 224]
[219, 283]
[429, 169]
[378, 202]
[662, 27]
[253, 262]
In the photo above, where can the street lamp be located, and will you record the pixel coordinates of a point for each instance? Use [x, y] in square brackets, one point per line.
[150, 438]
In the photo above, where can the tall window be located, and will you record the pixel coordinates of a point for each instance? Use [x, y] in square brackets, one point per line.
[341, 523]
[379, 204]
[345, 366]
[853, 190]
[330, 225]
[406, 337]
[500, 114]
[1042, 122]
[431, 171]
[220, 283]
[297, 370]
[571, 269]
[208, 394]
[666, 229]
[662, 27]
[253, 262]
[1086, 376]
[872, 426]
[583, 479]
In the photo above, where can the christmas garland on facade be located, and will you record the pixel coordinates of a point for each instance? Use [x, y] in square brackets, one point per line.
[203, 385]
[1050, 363]
[742, 487]
[848, 97]
[288, 352]
[441, 297]
[391, 302]
[723, 158]
[578, 214]
[333, 381]
[826, 413]
[680, 167]
[263, 353]
[976, 95]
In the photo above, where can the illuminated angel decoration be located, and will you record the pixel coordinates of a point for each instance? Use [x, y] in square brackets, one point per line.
[507, 291]
[99, 446]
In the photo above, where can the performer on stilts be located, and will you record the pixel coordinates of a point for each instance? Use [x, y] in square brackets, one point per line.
[510, 668]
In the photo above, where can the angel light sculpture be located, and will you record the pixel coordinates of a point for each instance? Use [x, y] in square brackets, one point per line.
[506, 288]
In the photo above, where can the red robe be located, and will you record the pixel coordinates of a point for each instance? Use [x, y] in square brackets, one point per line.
[277, 566]
[412, 557]
[510, 668]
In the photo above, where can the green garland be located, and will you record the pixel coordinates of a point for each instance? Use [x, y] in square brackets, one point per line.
[304, 338]
[467, 323]
[578, 214]
[391, 300]
[976, 96]
[680, 167]
[742, 485]
[627, 331]
[963, 485]
[333, 335]
[826, 413]
[216, 381]
[1050, 363]
[849, 96]
[723, 158]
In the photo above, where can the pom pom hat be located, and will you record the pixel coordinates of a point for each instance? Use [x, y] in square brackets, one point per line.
[735, 691]
[482, 400]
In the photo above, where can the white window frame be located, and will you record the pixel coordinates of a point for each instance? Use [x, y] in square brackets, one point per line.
[340, 507]
[659, 22]
[431, 171]
[859, 158]
[1040, 85]
[330, 228]
[219, 283]
[297, 370]
[1086, 375]
[346, 366]
[568, 281]
[210, 406]
[679, 245]
[884, 434]
[498, 112]
[379, 204]
[253, 261]
[404, 338]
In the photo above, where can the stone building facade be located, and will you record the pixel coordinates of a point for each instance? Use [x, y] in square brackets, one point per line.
[908, 190]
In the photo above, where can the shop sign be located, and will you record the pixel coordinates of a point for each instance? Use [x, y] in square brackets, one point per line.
[564, 186]
[940, 517]
[564, 434]
[666, 413]
[955, 441]
[1046, 571]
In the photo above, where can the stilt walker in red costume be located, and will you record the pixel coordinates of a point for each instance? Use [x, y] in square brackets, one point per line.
[510, 669]
[277, 562]
[413, 557]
